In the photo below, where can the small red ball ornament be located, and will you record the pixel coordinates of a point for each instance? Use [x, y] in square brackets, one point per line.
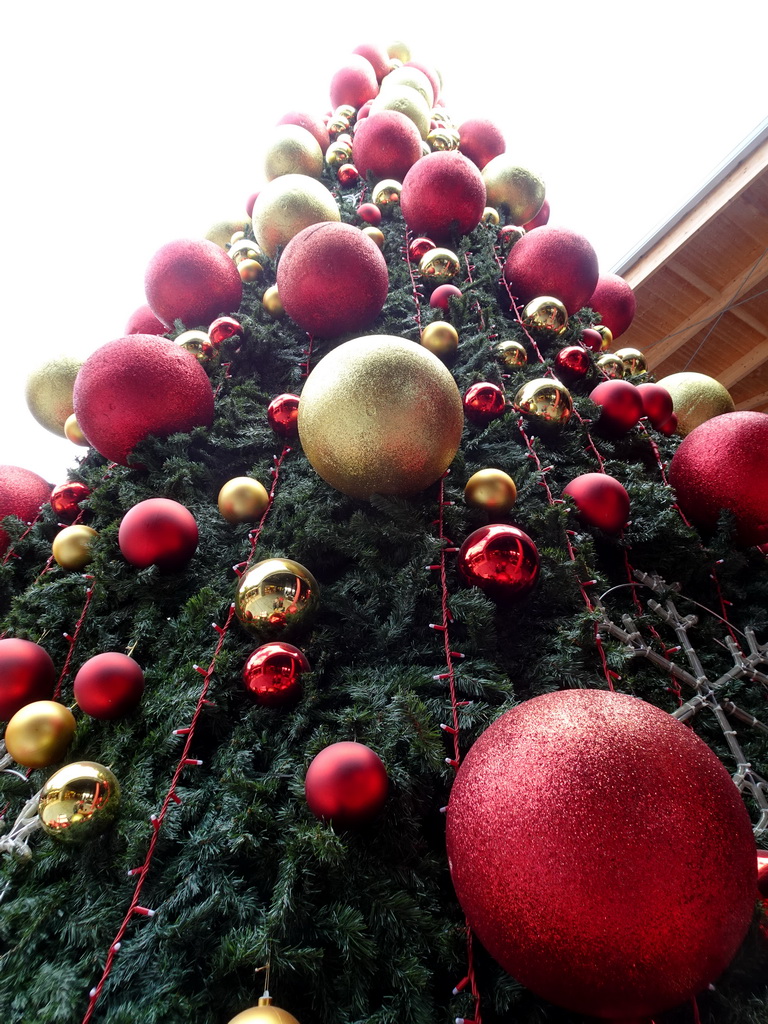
[66, 498]
[573, 362]
[722, 466]
[443, 194]
[272, 674]
[158, 532]
[500, 560]
[224, 327]
[144, 321]
[332, 280]
[26, 674]
[442, 295]
[346, 784]
[541, 218]
[481, 141]
[354, 83]
[22, 493]
[484, 402]
[552, 261]
[762, 873]
[250, 203]
[600, 501]
[348, 175]
[621, 406]
[109, 686]
[592, 339]
[192, 280]
[386, 146]
[420, 247]
[370, 213]
[605, 898]
[669, 427]
[657, 403]
[615, 301]
[283, 415]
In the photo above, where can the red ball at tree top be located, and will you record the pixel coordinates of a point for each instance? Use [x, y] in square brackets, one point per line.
[272, 674]
[346, 784]
[26, 674]
[22, 492]
[158, 532]
[312, 123]
[481, 141]
[376, 57]
[432, 75]
[332, 279]
[615, 301]
[573, 361]
[109, 686]
[621, 405]
[144, 321]
[354, 83]
[604, 898]
[552, 261]
[484, 402]
[600, 501]
[500, 560]
[657, 403]
[283, 415]
[386, 145]
[192, 280]
[442, 295]
[541, 218]
[443, 194]
[66, 498]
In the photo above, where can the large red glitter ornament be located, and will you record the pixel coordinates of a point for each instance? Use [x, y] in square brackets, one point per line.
[158, 532]
[144, 321]
[620, 406]
[137, 386]
[600, 500]
[722, 466]
[386, 145]
[283, 415]
[346, 784]
[484, 402]
[192, 280]
[552, 261]
[443, 195]
[589, 834]
[657, 403]
[109, 686]
[66, 498]
[26, 674]
[272, 674]
[332, 280]
[22, 492]
[481, 141]
[501, 560]
[354, 83]
[377, 57]
[615, 301]
[312, 123]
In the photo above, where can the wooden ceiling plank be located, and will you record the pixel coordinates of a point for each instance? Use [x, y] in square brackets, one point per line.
[756, 402]
[743, 367]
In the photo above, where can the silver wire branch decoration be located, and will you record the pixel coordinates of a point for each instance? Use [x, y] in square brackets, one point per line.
[745, 666]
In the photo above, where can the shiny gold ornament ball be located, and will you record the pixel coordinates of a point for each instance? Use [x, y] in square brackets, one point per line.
[73, 433]
[338, 154]
[439, 265]
[39, 733]
[375, 234]
[273, 303]
[345, 110]
[72, 546]
[544, 400]
[197, 343]
[491, 489]
[386, 194]
[264, 1013]
[606, 334]
[633, 359]
[695, 399]
[243, 500]
[546, 313]
[440, 338]
[292, 150]
[512, 353]
[277, 599]
[237, 237]
[79, 802]
[244, 249]
[49, 392]
[398, 50]
[250, 270]
[513, 189]
[491, 216]
[412, 78]
[440, 141]
[380, 415]
[221, 232]
[338, 125]
[286, 206]
[612, 365]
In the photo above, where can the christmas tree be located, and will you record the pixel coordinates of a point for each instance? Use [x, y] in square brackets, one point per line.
[366, 484]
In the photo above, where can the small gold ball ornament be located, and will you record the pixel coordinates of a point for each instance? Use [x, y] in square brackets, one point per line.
[439, 265]
[440, 338]
[237, 237]
[491, 489]
[49, 392]
[338, 125]
[695, 399]
[292, 150]
[250, 270]
[264, 1013]
[375, 234]
[277, 599]
[398, 50]
[286, 206]
[197, 343]
[272, 302]
[544, 400]
[338, 154]
[79, 801]
[39, 733]
[221, 232]
[512, 189]
[512, 354]
[245, 249]
[412, 78]
[440, 141]
[633, 359]
[491, 216]
[73, 432]
[606, 334]
[243, 500]
[546, 314]
[386, 194]
[72, 546]
[611, 365]
[345, 110]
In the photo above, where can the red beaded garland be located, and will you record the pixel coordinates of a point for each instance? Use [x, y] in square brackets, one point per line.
[272, 673]
[500, 560]
[109, 686]
[346, 784]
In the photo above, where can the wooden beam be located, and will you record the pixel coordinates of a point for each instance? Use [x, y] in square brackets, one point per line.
[743, 367]
[756, 402]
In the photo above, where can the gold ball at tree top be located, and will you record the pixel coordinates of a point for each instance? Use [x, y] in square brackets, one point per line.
[513, 189]
[243, 500]
[440, 141]
[544, 400]
[286, 206]
[39, 733]
[277, 599]
[249, 270]
[345, 110]
[399, 50]
[73, 433]
[546, 314]
[338, 125]
[512, 353]
[491, 489]
[221, 232]
[411, 78]
[440, 338]
[380, 415]
[633, 359]
[695, 399]
[265, 1013]
[272, 302]
[386, 194]
[79, 801]
[405, 101]
[72, 546]
[292, 150]
[49, 392]
[439, 265]
[612, 365]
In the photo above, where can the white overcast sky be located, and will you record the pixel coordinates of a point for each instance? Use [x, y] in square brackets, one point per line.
[126, 126]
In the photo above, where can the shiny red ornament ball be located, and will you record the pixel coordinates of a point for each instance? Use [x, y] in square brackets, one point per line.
[589, 836]
[66, 498]
[354, 83]
[386, 145]
[312, 123]
[224, 327]
[620, 406]
[272, 674]
[615, 301]
[442, 295]
[348, 175]
[137, 386]
[377, 57]
[657, 403]
[26, 674]
[370, 213]
[600, 501]
[443, 195]
[192, 280]
[109, 686]
[541, 218]
[22, 493]
[668, 427]
[332, 280]
[144, 321]
[500, 560]
[722, 465]
[484, 402]
[552, 261]
[158, 532]
[283, 415]
[346, 784]
[481, 140]
[592, 339]
[419, 247]
[508, 235]
[573, 362]
[762, 873]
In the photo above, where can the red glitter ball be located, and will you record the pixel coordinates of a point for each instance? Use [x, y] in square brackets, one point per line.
[346, 784]
[144, 321]
[192, 280]
[158, 532]
[26, 674]
[552, 261]
[614, 300]
[484, 402]
[573, 361]
[481, 141]
[272, 674]
[224, 327]
[376, 57]
[283, 415]
[589, 834]
[22, 492]
[443, 194]
[500, 560]
[541, 218]
[109, 686]
[600, 501]
[386, 146]
[66, 498]
[354, 83]
[251, 202]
